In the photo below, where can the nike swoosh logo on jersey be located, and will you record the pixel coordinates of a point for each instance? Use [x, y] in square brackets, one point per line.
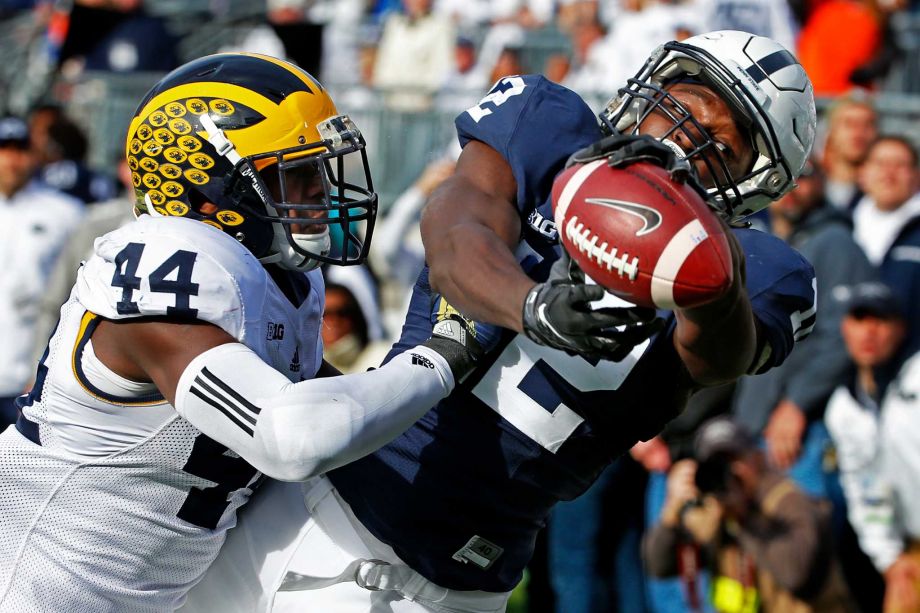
[650, 217]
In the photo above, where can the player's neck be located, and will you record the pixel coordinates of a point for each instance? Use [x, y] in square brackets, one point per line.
[294, 285]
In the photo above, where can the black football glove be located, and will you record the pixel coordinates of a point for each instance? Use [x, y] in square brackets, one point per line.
[558, 314]
[453, 338]
[625, 149]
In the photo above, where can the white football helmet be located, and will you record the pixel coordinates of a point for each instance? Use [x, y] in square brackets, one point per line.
[767, 90]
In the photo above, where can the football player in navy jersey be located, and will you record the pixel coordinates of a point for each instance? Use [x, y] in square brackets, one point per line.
[444, 518]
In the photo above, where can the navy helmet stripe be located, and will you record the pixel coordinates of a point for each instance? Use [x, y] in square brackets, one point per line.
[772, 63]
[267, 78]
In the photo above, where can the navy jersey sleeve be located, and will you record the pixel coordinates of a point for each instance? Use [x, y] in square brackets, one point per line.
[535, 125]
[782, 289]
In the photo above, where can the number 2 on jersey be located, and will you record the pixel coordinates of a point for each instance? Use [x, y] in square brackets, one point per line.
[498, 97]
[532, 380]
[125, 277]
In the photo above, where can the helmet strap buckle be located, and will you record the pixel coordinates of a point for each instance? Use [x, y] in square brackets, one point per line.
[220, 141]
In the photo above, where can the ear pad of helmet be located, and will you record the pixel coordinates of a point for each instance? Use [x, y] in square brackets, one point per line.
[240, 212]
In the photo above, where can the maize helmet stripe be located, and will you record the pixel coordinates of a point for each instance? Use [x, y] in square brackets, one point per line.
[248, 139]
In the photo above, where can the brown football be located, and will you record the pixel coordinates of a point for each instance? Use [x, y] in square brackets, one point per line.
[646, 238]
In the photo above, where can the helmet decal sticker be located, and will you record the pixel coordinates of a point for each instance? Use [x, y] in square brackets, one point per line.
[156, 197]
[180, 126]
[170, 171]
[189, 143]
[173, 189]
[201, 161]
[221, 107]
[175, 109]
[152, 148]
[176, 207]
[176, 155]
[164, 136]
[196, 106]
[158, 119]
[196, 176]
[152, 181]
[229, 218]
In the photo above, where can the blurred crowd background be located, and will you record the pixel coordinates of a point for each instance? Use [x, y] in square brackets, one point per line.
[791, 491]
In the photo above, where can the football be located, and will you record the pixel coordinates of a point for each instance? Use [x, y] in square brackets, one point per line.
[643, 236]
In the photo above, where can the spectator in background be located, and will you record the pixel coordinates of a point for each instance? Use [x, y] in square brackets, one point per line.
[638, 25]
[353, 335]
[466, 14]
[657, 456]
[593, 542]
[852, 125]
[101, 218]
[529, 14]
[34, 220]
[415, 55]
[887, 221]
[786, 404]
[839, 37]
[772, 18]
[512, 22]
[60, 148]
[116, 36]
[556, 67]
[766, 541]
[468, 79]
[507, 64]
[589, 59]
[398, 251]
[874, 419]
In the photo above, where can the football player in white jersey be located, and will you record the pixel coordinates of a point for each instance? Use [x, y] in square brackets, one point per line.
[183, 366]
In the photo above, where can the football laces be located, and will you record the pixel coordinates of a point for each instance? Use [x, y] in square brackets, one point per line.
[586, 241]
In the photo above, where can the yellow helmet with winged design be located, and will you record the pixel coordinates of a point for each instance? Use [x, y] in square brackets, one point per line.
[255, 146]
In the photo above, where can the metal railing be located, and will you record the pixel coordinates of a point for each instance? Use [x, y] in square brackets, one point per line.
[400, 144]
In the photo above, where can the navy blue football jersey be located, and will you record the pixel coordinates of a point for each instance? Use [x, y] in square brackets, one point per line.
[462, 494]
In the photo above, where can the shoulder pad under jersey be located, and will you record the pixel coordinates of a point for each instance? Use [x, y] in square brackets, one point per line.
[172, 267]
[535, 125]
[782, 289]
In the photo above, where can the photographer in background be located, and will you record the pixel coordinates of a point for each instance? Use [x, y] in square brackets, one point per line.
[768, 544]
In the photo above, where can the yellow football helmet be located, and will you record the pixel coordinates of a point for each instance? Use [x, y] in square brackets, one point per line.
[254, 146]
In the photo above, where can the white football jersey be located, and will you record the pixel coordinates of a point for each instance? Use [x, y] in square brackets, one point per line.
[110, 501]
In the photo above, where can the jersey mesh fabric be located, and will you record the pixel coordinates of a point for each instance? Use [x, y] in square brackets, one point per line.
[123, 504]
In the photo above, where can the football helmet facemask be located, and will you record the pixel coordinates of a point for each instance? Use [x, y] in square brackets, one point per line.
[254, 146]
[768, 93]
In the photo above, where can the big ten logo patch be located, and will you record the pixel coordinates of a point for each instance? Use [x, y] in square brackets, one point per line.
[274, 332]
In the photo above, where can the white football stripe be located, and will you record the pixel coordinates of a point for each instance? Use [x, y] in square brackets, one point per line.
[571, 188]
[672, 258]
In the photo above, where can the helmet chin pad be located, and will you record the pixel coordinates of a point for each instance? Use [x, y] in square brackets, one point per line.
[286, 256]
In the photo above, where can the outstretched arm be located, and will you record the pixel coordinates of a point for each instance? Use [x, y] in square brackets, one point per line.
[717, 341]
[290, 431]
[470, 227]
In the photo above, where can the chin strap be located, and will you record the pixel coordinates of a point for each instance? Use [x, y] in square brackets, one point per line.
[220, 141]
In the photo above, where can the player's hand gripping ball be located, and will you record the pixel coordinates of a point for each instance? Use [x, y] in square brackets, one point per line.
[644, 236]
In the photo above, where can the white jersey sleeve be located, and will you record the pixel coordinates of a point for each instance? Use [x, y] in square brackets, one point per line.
[172, 267]
[294, 431]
